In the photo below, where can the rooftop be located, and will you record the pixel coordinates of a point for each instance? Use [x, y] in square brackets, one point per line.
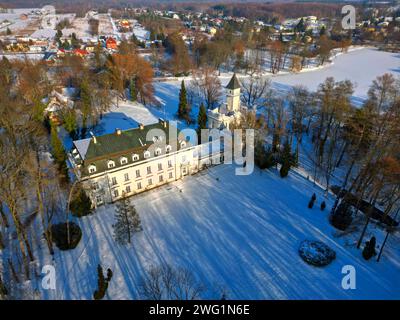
[233, 83]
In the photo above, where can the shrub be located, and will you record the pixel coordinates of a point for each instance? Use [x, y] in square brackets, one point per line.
[342, 217]
[369, 249]
[59, 233]
[316, 253]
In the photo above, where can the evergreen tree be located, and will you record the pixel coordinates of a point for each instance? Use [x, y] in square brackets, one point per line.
[86, 103]
[109, 274]
[132, 90]
[369, 249]
[70, 123]
[201, 120]
[286, 160]
[80, 205]
[127, 221]
[183, 109]
[102, 284]
[300, 26]
[58, 151]
[314, 197]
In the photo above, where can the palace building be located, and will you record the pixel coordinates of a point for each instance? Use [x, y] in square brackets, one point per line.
[128, 162]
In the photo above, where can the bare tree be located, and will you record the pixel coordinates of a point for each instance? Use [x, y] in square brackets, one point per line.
[168, 283]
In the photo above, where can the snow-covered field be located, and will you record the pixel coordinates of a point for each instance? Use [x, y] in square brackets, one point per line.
[239, 233]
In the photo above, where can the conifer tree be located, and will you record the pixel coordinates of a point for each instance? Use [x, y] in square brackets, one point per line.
[183, 109]
[286, 160]
[369, 249]
[70, 123]
[201, 120]
[127, 221]
[58, 151]
[86, 103]
[81, 205]
[132, 90]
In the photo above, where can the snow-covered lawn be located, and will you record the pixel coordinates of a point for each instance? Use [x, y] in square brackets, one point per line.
[240, 233]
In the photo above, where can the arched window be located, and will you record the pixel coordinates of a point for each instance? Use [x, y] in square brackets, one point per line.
[135, 157]
[146, 154]
[168, 148]
[92, 168]
[157, 152]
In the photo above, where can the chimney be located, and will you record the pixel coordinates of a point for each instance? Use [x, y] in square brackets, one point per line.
[141, 126]
[93, 137]
[118, 131]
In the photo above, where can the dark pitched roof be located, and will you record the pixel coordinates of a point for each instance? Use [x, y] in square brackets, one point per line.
[113, 143]
[233, 83]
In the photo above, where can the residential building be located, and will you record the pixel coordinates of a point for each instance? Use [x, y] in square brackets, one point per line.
[135, 160]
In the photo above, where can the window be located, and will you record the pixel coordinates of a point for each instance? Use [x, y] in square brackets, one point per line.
[159, 166]
[99, 200]
[150, 182]
[168, 148]
[113, 181]
[116, 193]
[184, 171]
[128, 189]
[124, 160]
[157, 152]
[92, 169]
[146, 154]
[160, 178]
[135, 157]
[138, 173]
[126, 176]
[95, 186]
[170, 176]
[139, 185]
[149, 170]
[183, 144]
[111, 164]
[169, 163]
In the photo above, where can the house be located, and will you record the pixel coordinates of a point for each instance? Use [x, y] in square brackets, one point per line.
[128, 162]
[111, 43]
[80, 53]
[229, 112]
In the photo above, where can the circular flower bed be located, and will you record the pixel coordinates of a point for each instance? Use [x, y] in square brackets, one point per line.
[316, 253]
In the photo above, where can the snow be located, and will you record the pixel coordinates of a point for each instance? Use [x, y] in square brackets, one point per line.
[127, 115]
[361, 66]
[44, 34]
[242, 239]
